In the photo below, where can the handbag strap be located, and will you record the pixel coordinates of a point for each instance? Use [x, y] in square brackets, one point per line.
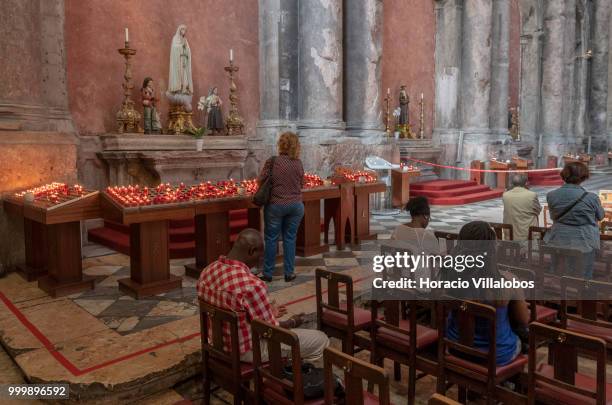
[568, 209]
[272, 159]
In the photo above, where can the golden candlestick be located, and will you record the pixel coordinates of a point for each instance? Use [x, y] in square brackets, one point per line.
[128, 119]
[387, 114]
[422, 119]
[234, 125]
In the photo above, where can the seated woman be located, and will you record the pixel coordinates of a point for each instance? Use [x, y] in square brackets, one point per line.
[511, 307]
[415, 232]
[575, 213]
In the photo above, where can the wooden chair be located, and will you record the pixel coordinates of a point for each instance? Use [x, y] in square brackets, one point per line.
[449, 237]
[481, 373]
[509, 252]
[592, 300]
[355, 371]
[404, 341]
[503, 230]
[437, 399]
[340, 320]
[271, 384]
[220, 365]
[558, 381]
[537, 312]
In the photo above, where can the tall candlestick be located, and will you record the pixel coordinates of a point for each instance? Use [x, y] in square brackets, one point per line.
[231, 55]
[422, 118]
[127, 35]
[234, 124]
[388, 90]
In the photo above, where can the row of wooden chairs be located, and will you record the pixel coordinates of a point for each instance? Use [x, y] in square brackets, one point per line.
[221, 365]
[424, 347]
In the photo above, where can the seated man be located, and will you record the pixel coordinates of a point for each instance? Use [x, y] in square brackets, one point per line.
[228, 283]
[521, 207]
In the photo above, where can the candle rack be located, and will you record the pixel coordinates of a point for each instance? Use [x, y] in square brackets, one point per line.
[234, 124]
[128, 119]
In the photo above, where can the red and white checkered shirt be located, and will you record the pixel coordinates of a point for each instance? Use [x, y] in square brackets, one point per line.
[229, 284]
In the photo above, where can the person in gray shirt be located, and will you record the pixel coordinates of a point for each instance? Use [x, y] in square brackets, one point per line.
[575, 213]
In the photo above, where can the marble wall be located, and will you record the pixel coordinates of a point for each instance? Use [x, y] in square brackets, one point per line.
[95, 30]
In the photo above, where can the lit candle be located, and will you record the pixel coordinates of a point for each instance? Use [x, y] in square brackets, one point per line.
[231, 55]
[127, 35]
[388, 90]
[421, 96]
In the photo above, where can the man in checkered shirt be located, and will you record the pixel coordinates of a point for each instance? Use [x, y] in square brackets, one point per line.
[228, 283]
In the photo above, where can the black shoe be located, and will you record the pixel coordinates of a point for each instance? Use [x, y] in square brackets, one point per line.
[265, 278]
[290, 278]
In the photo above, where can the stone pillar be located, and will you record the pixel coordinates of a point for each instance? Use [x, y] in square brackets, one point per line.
[476, 74]
[363, 68]
[500, 67]
[552, 79]
[320, 71]
[571, 75]
[448, 52]
[599, 76]
[577, 49]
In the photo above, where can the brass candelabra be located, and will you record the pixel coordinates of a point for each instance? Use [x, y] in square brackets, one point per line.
[422, 119]
[128, 119]
[388, 114]
[234, 125]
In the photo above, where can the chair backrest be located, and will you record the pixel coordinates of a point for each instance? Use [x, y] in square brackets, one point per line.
[503, 230]
[466, 314]
[524, 274]
[355, 371]
[592, 299]
[271, 383]
[564, 349]
[450, 238]
[537, 230]
[216, 359]
[332, 303]
[509, 252]
[565, 259]
[437, 399]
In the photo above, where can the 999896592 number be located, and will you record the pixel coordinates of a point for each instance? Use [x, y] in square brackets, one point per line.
[35, 391]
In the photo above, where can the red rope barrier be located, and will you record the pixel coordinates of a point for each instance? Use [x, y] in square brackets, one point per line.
[485, 170]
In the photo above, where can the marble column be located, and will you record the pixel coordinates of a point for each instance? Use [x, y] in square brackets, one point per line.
[531, 79]
[578, 100]
[500, 67]
[599, 76]
[609, 82]
[320, 71]
[448, 53]
[363, 68]
[552, 78]
[571, 73]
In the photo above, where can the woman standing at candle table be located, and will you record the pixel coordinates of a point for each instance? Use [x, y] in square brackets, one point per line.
[285, 209]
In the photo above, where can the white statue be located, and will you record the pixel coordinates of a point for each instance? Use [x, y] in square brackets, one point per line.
[180, 83]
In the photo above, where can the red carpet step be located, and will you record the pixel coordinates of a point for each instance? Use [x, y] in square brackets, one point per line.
[116, 236]
[453, 192]
[545, 179]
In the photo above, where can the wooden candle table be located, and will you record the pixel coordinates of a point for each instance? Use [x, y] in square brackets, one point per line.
[212, 229]
[149, 240]
[477, 175]
[522, 164]
[52, 232]
[362, 208]
[341, 211]
[400, 185]
[502, 178]
[309, 233]
[585, 159]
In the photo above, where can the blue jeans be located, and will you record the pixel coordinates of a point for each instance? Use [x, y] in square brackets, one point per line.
[286, 219]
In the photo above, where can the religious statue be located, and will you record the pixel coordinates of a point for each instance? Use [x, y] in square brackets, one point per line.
[404, 100]
[180, 83]
[151, 117]
[212, 104]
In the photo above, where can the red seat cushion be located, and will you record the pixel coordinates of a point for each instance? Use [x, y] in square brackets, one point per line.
[369, 398]
[246, 369]
[545, 314]
[591, 330]
[362, 317]
[565, 397]
[501, 372]
[399, 341]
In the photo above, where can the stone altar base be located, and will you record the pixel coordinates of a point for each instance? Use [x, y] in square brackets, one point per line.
[422, 149]
[153, 159]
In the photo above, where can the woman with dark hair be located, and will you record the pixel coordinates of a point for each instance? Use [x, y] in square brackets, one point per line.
[478, 238]
[415, 232]
[575, 214]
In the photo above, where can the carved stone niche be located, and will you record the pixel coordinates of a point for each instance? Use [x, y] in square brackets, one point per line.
[153, 159]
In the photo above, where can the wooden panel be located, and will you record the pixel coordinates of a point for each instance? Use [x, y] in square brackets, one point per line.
[36, 250]
[370, 188]
[320, 193]
[159, 213]
[478, 177]
[149, 257]
[400, 186]
[255, 219]
[83, 208]
[309, 233]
